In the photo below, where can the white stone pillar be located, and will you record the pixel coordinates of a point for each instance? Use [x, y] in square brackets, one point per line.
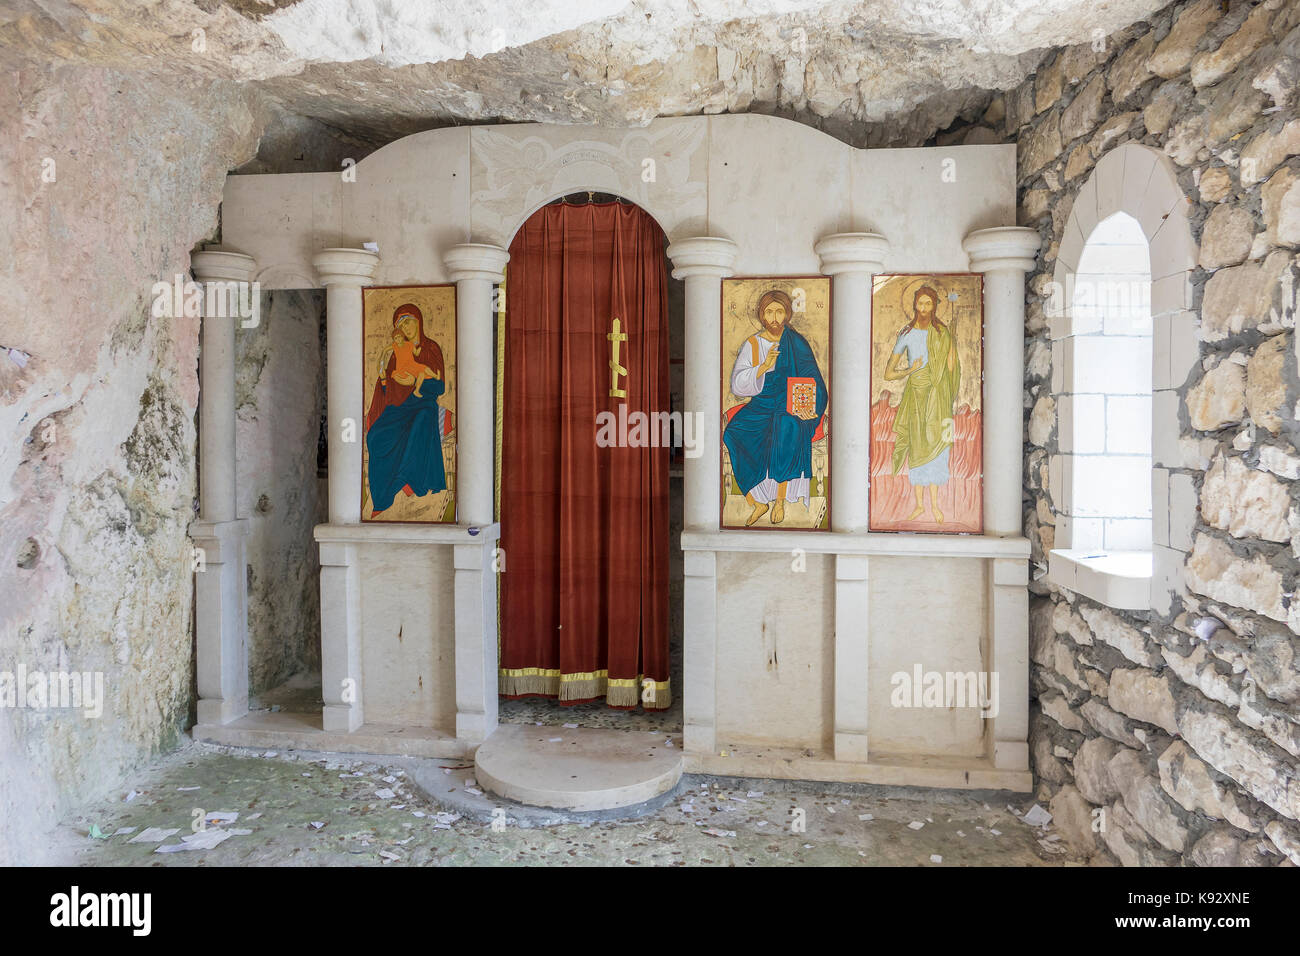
[703, 262]
[1004, 254]
[221, 587]
[851, 258]
[474, 267]
[343, 273]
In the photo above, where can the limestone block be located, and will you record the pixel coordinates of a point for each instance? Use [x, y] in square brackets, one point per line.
[1045, 763]
[1276, 724]
[1266, 151]
[1219, 398]
[1124, 838]
[1266, 385]
[1041, 146]
[1108, 628]
[1107, 722]
[1144, 799]
[1174, 53]
[1198, 670]
[1286, 839]
[1130, 70]
[1213, 65]
[1215, 184]
[1092, 772]
[1213, 569]
[1048, 85]
[1187, 779]
[1142, 695]
[1042, 421]
[1226, 237]
[1171, 99]
[1186, 138]
[1245, 502]
[1072, 817]
[1262, 770]
[1280, 200]
[1084, 112]
[1248, 296]
[1057, 707]
[1224, 847]
[1278, 460]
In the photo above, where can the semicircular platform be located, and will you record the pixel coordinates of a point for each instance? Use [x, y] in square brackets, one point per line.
[580, 768]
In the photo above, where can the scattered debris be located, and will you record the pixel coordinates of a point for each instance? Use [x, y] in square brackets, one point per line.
[154, 835]
[383, 793]
[1037, 816]
[935, 858]
[866, 816]
[915, 825]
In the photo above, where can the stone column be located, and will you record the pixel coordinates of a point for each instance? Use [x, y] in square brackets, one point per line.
[851, 258]
[221, 588]
[343, 273]
[703, 262]
[1004, 254]
[474, 267]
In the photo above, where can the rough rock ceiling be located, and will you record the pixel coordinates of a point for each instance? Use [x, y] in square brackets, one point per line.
[877, 72]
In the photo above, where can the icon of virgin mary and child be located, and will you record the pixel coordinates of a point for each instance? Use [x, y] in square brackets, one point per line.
[405, 424]
[770, 437]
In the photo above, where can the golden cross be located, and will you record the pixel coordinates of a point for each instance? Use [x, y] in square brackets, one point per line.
[615, 370]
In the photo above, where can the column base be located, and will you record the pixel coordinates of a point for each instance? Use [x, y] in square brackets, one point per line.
[340, 718]
[215, 710]
[221, 619]
[699, 738]
[476, 637]
[851, 747]
[1011, 755]
[340, 637]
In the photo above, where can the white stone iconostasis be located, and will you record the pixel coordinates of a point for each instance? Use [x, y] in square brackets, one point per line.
[736, 196]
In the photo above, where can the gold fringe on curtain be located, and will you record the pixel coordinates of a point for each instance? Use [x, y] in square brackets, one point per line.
[619, 692]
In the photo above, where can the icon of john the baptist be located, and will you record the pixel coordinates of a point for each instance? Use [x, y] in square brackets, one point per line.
[771, 446]
[926, 356]
[404, 423]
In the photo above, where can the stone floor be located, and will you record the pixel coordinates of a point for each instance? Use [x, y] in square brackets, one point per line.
[324, 810]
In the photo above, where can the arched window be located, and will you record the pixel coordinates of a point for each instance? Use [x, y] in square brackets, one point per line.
[1106, 413]
[1124, 338]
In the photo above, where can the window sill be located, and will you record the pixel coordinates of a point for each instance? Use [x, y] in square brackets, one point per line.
[1118, 579]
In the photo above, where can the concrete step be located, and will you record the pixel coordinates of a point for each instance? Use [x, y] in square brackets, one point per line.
[576, 768]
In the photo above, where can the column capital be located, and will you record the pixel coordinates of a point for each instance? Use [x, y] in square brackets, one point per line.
[702, 256]
[345, 267]
[222, 265]
[852, 252]
[1002, 247]
[475, 260]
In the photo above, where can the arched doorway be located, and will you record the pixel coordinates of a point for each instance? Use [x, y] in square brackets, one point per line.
[585, 493]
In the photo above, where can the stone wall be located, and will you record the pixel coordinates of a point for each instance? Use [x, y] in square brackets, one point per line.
[107, 182]
[1175, 739]
[279, 389]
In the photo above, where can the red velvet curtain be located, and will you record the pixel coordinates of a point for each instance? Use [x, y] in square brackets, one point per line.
[584, 610]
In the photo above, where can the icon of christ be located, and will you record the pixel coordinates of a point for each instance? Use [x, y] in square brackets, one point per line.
[770, 437]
